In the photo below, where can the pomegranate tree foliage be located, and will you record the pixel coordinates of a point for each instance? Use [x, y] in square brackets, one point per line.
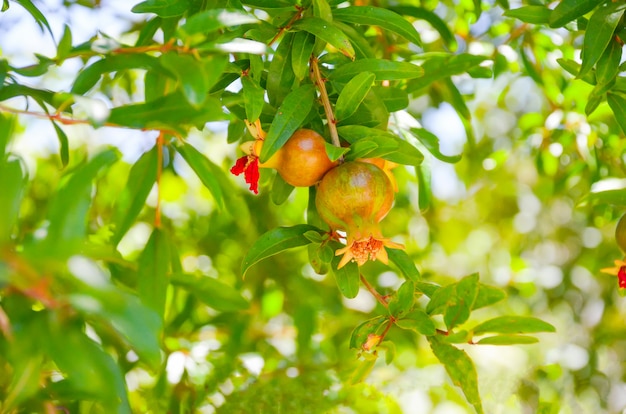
[122, 285]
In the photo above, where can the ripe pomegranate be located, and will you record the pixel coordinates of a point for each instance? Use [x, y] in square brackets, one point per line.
[355, 197]
[302, 161]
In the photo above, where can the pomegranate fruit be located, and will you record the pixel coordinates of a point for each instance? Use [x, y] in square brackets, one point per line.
[302, 161]
[355, 197]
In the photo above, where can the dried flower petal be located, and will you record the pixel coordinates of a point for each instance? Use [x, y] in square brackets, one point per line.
[240, 165]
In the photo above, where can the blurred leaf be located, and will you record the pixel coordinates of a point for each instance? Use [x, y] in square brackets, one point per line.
[530, 14]
[253, 98]
[68, 209]
[508, 340]
[439, 67]
[326, 31]
[423, 186]
[195, 77]
[395, 99]
[91, 74]
[274, 242]
[208, 21]
[460, 368]
[7, 129]
[417, 320]
[363, 369]
[431, 142]
[64, 150]
[403, 300]
[348, 277]
[212, 292]
[362, 48]
[353, 94]
[162, 8]
[382, 68]
[39, 17]
[406, 265]
[433, 19]
[569, 10]
[573, 68]
[131, 201]
[617, 102]
[289, 117]
[377, 16]
[280, 190]
[487, 295]
[513, 325]
[153, 269]
[206, 170]
[391, 147]
[280, 76]
[65, 44]
[303, 43]
[600, 30]
[14, 179]
[170, 111]
[360, 333]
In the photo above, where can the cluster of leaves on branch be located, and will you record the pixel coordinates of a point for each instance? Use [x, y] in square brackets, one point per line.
[78, 318]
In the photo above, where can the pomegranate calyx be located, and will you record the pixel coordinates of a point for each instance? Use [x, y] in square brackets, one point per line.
[369, 248]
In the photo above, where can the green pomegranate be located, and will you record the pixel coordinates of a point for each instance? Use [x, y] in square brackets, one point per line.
[354, 197]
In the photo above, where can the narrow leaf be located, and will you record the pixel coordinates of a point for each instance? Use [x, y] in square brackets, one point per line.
[326, 31]
[353, 94]
[377, 16]
[530, 14]
[417, 320]
[617, 102]
[569, 10]
[513, 325]
[431, 142]
[406, 265]
[607, 67]
[212, 292]
[600, 29]
[289, 117]
[460, 368]
[303, 43]
[39, 17]
[14, 180]
[206, 170]
[152, 279]
[131, 201]
[274, 242]
[382, 68]
[162, 8]
[433, 19]
[280, 76]
[348, 277]
[209, 21]
[252, 98]
[508, 340]
[280, 190]
[64, 150]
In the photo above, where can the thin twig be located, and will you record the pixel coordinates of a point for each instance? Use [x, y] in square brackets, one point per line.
[316, 76]
[380, 298]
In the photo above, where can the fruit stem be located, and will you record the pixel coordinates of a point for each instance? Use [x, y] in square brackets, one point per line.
[316, 77]
[380, 298]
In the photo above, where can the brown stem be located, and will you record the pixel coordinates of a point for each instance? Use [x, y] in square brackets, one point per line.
[380, 298]
[317, 79]
[291, 21]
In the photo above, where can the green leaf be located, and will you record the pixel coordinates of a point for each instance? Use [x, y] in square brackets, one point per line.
[209, 21]
[361, 332]
[170, 111]
[513, 325]
[274, 242]
[348, 277]
[600, 30]
[162, 8]
[326, 31]
[353, 94]
[303, 44]
[289, 117]
[441, 66]
[68, 210]
[39, 17]
[64, 150]
[406, 265]
[212, 292]
[206, 171]
[403, 299]
[569, 10]
[417, 320]
[573, 68]
[460, 368]
[65, 44]
[14, 181]
[131, 201]
[5, 5]
[614, 197]
[395, 99]
[7, 129]
[423, 186]
[382, 68]
[334, 153]
[362, 48]
[376, 16]
[195, 77]
[280, 76]
[530, 14]
[487, 295]
[91, 74]
[152, 276]
[280, 190]
[617, 102]
[508, 340]
[431, 142]
[253, 98]
[433, 19]
[388, 146]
